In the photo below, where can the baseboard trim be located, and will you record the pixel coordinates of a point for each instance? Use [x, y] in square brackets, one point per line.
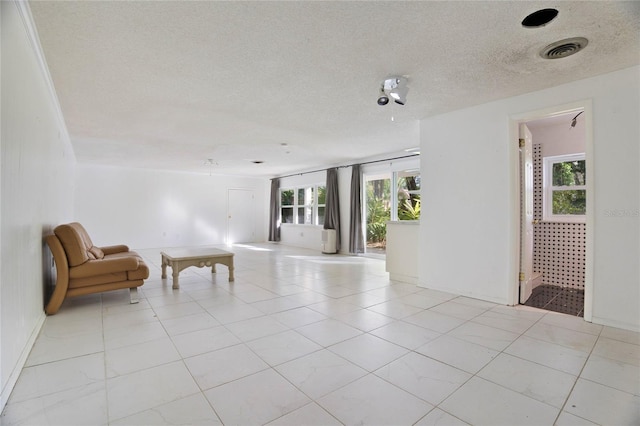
[17, 369]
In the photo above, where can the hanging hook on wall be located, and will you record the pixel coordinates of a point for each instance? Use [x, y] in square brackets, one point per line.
[574, 121]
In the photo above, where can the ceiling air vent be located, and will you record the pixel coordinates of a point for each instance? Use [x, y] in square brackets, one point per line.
[564, 48]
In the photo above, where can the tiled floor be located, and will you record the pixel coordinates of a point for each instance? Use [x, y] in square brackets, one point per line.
[554, 298]
[303, 338]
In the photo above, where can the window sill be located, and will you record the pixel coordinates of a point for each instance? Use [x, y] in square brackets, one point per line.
[565, 219]
[403, 222]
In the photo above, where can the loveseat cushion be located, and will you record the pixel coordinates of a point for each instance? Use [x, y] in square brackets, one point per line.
[142, 273]
[94, 280]
[104, 266]
[72, 243]
[96, 252]
[83, 234]
[120, 248]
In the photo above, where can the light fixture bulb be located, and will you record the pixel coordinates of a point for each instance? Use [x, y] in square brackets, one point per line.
[383, 99]
[399, 94]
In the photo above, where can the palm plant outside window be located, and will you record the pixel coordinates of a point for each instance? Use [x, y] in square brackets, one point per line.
[408, 195]
[383, 207]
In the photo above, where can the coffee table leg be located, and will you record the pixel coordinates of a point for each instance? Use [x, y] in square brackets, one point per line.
[175, 267]
[231, 277]
[213, 268]
[176, 284]
[164, 268]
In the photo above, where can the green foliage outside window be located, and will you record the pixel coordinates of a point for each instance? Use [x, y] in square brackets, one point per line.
[286, 205]
[409, 209]
[322, 194]
[569, 201]
[286, 197]
[378, 210]
[378, 214]
[409, 197]
[568, 173]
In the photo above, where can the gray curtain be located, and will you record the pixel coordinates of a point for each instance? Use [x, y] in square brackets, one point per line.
[356, 238]
[332, 205]
[274, 211]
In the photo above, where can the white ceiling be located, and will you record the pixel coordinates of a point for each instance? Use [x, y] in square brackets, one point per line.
[168, 85]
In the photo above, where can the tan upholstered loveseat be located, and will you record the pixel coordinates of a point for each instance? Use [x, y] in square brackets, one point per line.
[83, 268]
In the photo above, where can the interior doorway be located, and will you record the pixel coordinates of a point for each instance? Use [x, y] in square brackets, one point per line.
[240, 211]
[553, 212]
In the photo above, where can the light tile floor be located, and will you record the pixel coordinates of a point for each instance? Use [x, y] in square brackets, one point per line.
[302, 338]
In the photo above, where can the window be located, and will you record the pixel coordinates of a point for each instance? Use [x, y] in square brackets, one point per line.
[565, 192]
[303, 206]
[286, 205]
[383, 205]
[408, 206]
[322, 202]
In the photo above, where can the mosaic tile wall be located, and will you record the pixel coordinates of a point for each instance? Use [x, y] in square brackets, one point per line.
[558, 248]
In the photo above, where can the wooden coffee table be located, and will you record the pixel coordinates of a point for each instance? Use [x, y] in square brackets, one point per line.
[182, 258]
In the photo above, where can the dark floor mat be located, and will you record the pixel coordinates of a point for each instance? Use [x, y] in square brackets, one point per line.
[565, 300]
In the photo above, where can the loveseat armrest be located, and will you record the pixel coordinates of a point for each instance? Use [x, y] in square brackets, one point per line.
[104, 266]
[62, 275]
[114, 249]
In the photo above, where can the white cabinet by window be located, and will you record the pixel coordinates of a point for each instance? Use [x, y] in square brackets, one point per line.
[402, 251]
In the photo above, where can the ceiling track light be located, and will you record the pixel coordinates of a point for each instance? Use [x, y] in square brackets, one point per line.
[394, 87]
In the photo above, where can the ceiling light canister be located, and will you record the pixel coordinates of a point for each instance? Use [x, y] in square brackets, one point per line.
[399, 94]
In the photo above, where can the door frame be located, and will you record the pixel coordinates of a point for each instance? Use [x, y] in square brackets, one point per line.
[526, 212]
[366, 177]
[228, 233]
[514, 173]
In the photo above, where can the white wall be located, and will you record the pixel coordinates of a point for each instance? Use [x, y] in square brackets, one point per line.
[37, 166]
[153, 209]
[561, 138]
[469, 194]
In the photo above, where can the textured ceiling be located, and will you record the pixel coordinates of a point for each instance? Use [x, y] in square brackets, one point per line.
[168, 85]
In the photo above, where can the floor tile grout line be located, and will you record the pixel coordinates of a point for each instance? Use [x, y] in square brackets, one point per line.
[578, 377]
[543, 341]
[181, 360]
[475, 375]
[104, 360]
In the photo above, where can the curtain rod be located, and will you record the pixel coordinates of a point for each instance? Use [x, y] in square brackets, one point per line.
[348, 165]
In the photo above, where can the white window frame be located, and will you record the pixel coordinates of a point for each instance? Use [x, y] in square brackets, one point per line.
[310, 209]
[548, 189]
[394, 184]
[309, 213]
[288, 206]
[391, 173]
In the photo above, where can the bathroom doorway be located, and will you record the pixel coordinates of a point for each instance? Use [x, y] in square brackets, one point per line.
[553, 204]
